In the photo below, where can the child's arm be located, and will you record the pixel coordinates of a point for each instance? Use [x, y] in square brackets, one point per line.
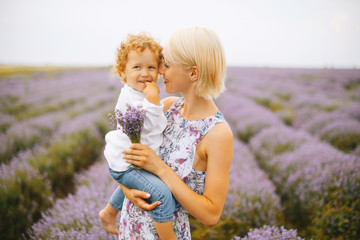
[152, 92]
[155, 120]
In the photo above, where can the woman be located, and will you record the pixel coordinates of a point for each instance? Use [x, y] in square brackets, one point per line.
[197, 140]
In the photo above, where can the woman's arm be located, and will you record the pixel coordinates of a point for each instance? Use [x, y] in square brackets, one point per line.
[217, 146]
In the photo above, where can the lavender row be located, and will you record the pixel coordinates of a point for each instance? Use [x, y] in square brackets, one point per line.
[251, 198]
[35, 177]
[73, 144]
[21, 135]
[294, 160]
[40, 88]
[94, 122]
[270, 233]
[23, 101]
[311, 175]
[306, 98]
[299, 86]
[246, 117]
[251, 201]
[76, 217]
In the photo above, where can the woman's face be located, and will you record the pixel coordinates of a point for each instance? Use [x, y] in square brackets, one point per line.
[176, 78]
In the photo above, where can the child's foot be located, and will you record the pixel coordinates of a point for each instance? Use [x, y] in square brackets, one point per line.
[108, 221]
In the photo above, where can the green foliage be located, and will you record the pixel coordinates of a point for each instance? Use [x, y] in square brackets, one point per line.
[307, 77]
[77, 112]
[102, 127]
[34, 112]
[287, 115]
[14, 109]
[263, 102]
[296, 214]
[28, 71]
[283, 96]
[11, 105]
[15, 144]
[345, 141]
[22, 199]
[276, 106]
[339, 217]
[66, 157]
[250, 131]
[352, 85]
[226, 228]
[25, 195]
[281, 148]
[331, 108]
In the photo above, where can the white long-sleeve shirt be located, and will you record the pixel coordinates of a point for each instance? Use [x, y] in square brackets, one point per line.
[151, 134]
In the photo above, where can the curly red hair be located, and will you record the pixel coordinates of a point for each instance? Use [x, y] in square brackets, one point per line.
[138, 43]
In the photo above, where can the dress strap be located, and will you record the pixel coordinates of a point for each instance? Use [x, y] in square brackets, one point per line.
[174, 107]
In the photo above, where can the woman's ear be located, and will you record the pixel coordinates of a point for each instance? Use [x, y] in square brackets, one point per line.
[194, 73]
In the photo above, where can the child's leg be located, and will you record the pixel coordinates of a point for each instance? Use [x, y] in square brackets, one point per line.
[109, 213]
[117, 199]
[108, 219]
[162, 214]
[165, 230]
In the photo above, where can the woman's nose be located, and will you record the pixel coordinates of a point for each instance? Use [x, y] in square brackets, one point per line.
[162, 69]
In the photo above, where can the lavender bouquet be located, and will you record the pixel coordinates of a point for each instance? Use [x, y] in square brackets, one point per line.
[131, 122]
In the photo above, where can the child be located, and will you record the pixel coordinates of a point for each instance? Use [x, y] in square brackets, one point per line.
[138, 62]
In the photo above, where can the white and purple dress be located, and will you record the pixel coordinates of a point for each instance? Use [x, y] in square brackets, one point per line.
[181, 138]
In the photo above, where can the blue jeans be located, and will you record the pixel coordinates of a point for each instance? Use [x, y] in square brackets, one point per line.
[145, 181]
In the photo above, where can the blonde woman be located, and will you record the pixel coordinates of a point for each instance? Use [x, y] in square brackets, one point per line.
[198, 143]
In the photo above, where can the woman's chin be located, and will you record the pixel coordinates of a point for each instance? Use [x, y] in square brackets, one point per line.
[168, 90]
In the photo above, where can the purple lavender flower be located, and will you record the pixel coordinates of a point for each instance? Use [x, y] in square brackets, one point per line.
[271, 232]
[131, 122]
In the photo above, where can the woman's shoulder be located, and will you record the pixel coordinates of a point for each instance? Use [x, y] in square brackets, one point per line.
[168, 101]
[221, 132]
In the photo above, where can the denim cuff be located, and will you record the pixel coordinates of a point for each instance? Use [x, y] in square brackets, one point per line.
[162, 219]
[117, 208]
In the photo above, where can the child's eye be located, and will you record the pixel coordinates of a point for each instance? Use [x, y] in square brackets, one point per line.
[136, 66]
[152, 67]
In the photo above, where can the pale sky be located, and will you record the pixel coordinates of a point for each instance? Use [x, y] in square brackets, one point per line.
[261, 33]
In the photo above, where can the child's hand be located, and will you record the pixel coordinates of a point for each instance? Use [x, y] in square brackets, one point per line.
[152, 92]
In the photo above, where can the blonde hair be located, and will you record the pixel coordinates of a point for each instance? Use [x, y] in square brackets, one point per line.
[199, 47]
[138, 43]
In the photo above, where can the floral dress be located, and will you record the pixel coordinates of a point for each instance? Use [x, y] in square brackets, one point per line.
[181, 138]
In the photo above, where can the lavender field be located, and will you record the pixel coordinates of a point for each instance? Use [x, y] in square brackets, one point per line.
[295, 172]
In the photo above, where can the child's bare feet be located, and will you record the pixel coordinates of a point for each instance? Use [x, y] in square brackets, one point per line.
[108, 219]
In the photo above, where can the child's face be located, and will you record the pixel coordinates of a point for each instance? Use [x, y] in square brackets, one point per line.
[140, 69]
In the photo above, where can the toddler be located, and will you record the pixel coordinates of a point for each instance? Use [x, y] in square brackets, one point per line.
[138, 62]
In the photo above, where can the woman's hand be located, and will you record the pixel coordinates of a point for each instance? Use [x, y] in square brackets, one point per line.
[144, 157]
[139, 198]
